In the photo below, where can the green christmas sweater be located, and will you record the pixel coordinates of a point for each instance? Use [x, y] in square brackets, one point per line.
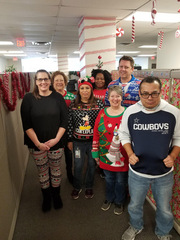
[68, 97]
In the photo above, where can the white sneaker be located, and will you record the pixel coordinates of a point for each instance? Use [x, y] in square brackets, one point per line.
[130, 233]
[165, 237]
[106, 205]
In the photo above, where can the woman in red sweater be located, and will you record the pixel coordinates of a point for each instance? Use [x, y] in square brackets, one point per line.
[109, 153]
[101, 80]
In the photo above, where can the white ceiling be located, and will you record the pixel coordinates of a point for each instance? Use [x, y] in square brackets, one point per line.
[57, 21]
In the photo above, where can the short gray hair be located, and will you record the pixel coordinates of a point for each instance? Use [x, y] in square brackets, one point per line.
[116, 88]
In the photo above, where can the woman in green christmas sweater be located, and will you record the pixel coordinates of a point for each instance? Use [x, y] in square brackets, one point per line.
[60, 81]
[109, 153]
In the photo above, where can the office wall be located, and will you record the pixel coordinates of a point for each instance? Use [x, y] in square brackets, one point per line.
[3, 64]
[13, 160]
[168, 57]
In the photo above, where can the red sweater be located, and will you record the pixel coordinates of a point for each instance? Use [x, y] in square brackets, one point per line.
[103, 134]
[99, 94]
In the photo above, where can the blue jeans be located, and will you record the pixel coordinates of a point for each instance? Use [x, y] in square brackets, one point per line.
[80, 149]
[162, 192]
[116, 186]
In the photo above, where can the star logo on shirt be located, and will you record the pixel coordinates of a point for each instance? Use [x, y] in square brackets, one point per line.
[136, 120]
[109, 125]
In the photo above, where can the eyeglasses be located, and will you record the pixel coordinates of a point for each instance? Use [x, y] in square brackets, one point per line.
[153, 95]
[41, 79]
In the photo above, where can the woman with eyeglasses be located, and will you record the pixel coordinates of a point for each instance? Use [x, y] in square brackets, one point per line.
[44, 119]
[82, 115]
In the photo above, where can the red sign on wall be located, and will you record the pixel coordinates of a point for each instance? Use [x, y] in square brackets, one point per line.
[20, 42]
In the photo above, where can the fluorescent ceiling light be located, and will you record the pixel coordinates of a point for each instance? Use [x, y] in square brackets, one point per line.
[47, 43]
[146, 55]
[6, 43]
[9, 52]
[15, 52]
[128, 52]
[52, 56]
[76, 52]
[14, 55]
[148, 46]
[160, 17]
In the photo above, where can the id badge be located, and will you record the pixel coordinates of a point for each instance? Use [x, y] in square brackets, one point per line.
[77, 153]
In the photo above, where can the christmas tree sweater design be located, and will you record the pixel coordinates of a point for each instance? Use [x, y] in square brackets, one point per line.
[102, 138]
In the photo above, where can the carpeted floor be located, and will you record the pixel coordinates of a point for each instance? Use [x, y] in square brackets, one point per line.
[80, 219]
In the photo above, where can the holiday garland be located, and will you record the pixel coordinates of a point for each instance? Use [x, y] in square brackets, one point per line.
[18, 85]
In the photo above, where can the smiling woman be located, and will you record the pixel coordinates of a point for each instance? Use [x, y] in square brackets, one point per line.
[82, 114]
[101, 80]
[44, 118]
[115, 165]
[59, 81]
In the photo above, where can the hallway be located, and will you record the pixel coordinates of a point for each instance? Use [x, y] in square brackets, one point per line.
[80, 219]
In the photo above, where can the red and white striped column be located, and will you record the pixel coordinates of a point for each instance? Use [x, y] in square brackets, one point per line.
[63, 64]
[97, 36]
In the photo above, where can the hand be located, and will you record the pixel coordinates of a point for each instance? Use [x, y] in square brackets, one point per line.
[43, 147]
[97, 160]
[51, 142]
[133, 159]
[169, 161]
[70, 145]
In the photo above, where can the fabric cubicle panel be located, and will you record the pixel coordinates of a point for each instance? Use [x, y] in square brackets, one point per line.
[175, 203]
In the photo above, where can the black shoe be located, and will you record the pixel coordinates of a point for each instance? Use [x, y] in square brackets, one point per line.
[46, 205]
[57, 201]
[89, 193]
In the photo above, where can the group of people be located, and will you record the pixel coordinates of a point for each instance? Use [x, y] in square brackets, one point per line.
[123, 126]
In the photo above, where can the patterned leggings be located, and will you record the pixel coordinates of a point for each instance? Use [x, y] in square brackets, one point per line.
[49, 166]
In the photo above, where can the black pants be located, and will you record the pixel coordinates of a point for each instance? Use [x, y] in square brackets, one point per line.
[68, 159]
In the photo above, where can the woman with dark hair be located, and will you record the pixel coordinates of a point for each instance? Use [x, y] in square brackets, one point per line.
[59, 81]
[101, 80]
[82, 115]
[44, 119]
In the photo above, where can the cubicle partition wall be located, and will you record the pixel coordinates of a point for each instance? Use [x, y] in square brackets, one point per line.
[13, 157]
